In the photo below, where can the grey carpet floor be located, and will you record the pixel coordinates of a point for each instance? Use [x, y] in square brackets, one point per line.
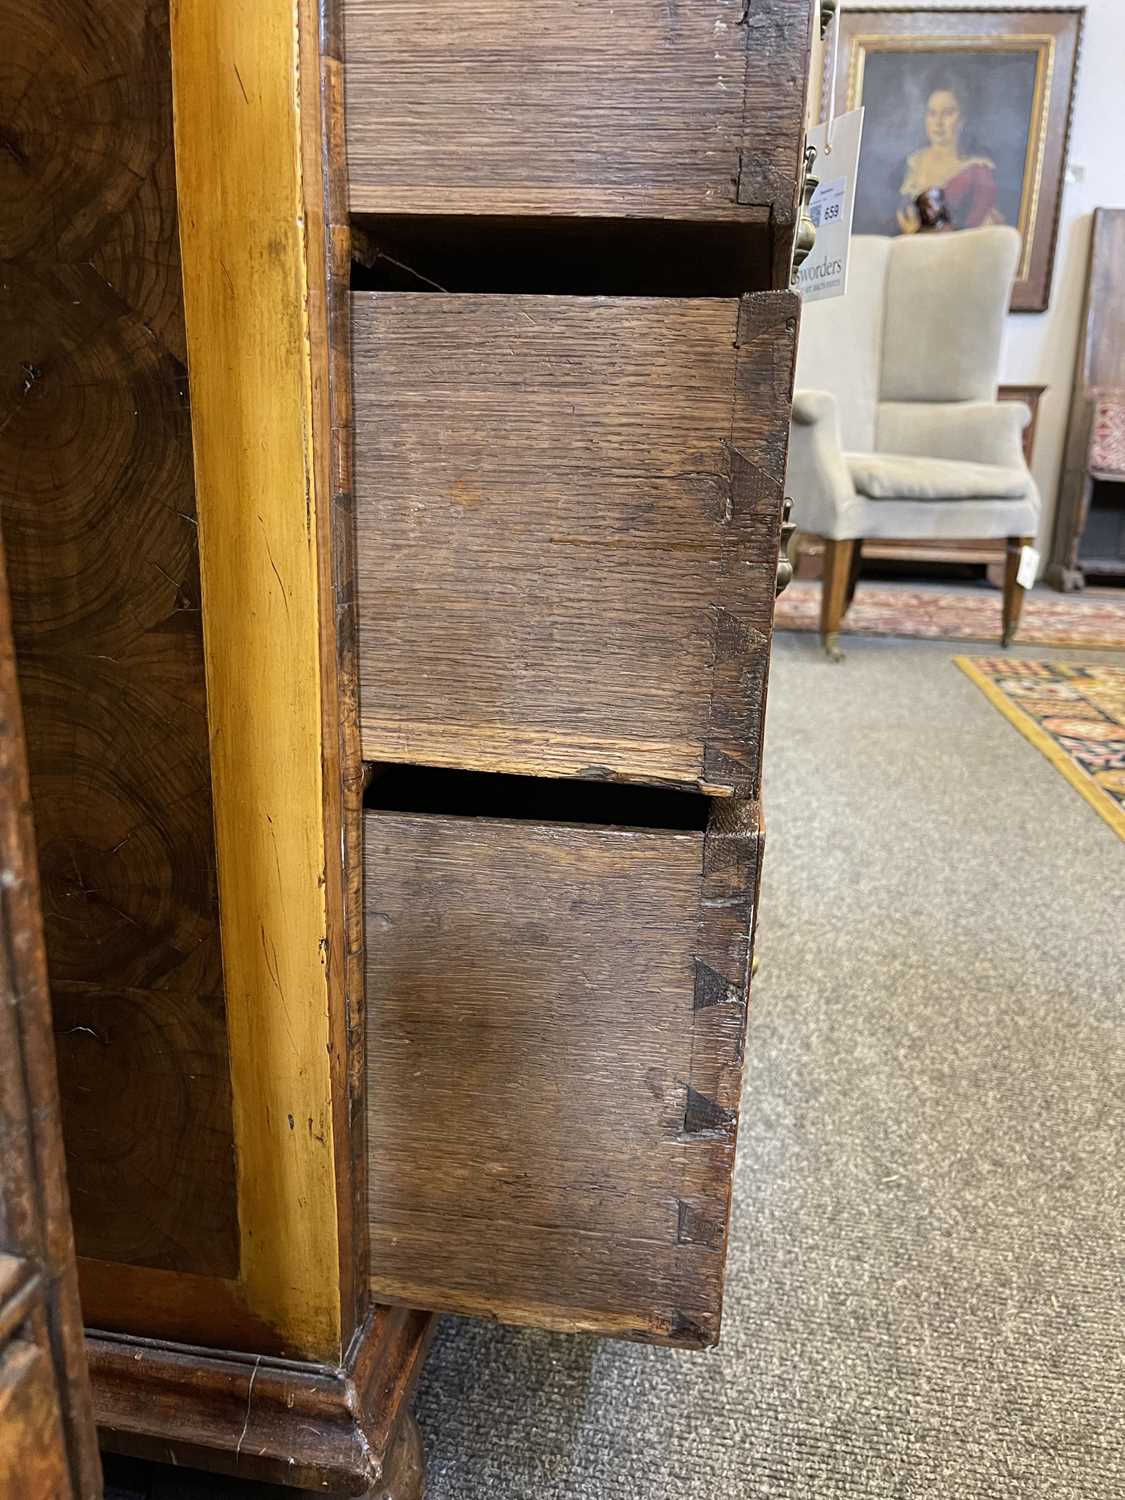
[925, 1295]
[926, 1277]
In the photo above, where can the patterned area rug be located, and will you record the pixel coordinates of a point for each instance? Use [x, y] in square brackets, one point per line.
[1074, 714]
[1049, 619]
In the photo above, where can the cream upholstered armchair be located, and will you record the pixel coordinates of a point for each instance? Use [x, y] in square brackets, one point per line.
[897, 431]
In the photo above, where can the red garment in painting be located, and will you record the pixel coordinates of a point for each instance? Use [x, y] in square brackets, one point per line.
[971, 196]
[970, 190]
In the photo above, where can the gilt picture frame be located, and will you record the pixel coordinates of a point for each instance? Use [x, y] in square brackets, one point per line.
[976, 102]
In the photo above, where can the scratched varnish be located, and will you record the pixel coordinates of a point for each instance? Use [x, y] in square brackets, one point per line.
[651, 108]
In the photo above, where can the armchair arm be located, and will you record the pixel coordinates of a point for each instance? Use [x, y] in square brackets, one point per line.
[817, 478]
[981, 432]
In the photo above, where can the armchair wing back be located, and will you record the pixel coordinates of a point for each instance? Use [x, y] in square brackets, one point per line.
[947, 300]
[841, 345]
[923, 320]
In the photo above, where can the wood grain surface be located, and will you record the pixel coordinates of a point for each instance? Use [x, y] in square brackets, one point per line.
[567, 513]
[556, 1016]
[1101, 357]
[656, 108]
[326, 162]
[47, 1443]
[251, 109]
[336, 1431]
[124, 1049]
[98, 511]
[33, 1463]
[768, 324]
[173, 1305]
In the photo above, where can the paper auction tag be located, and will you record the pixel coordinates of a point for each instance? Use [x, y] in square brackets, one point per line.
[825, 273]
[1028, 568]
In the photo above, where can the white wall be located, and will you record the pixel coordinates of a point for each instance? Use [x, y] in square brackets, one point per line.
[1041, 347]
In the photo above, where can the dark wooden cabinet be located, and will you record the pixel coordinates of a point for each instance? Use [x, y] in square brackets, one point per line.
[1089, 538]
[47, 1447]
[568, 497]
[395, 606]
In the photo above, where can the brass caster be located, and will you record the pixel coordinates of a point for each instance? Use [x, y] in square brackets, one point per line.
[831, 645]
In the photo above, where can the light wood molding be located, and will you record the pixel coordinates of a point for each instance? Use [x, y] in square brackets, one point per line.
[248, 135]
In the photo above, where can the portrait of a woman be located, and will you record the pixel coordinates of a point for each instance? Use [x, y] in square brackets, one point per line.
[953, 120]
[970, 107]
[966, 176]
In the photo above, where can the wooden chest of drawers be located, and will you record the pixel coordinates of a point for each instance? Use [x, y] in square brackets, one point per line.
[567, 513]
[490, 347]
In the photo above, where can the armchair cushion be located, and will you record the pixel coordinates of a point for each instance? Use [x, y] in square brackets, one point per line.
[904, 476]
[841, 341]
[979, 432]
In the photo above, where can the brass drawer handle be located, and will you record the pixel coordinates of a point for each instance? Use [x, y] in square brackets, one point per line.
[806, 229]
[785, 559]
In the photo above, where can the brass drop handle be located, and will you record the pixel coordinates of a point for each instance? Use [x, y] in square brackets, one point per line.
[806, 229]
[827, 15]
[784, 561]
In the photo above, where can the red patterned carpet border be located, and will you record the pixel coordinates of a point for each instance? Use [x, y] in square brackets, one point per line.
[1049, 619]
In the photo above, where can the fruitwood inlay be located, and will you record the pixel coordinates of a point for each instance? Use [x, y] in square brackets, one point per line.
[255, 102]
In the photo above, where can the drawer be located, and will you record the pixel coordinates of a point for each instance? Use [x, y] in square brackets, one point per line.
[556, 1016]
[567, 531]
[639, 108]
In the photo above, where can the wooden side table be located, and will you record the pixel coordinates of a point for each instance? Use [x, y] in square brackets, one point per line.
[1089, 535]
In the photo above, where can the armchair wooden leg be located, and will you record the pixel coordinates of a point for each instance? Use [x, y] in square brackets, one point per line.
[1013, 593]
[834, 594]
[853, 571]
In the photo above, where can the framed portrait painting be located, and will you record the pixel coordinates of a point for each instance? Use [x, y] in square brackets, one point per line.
[974, 102]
